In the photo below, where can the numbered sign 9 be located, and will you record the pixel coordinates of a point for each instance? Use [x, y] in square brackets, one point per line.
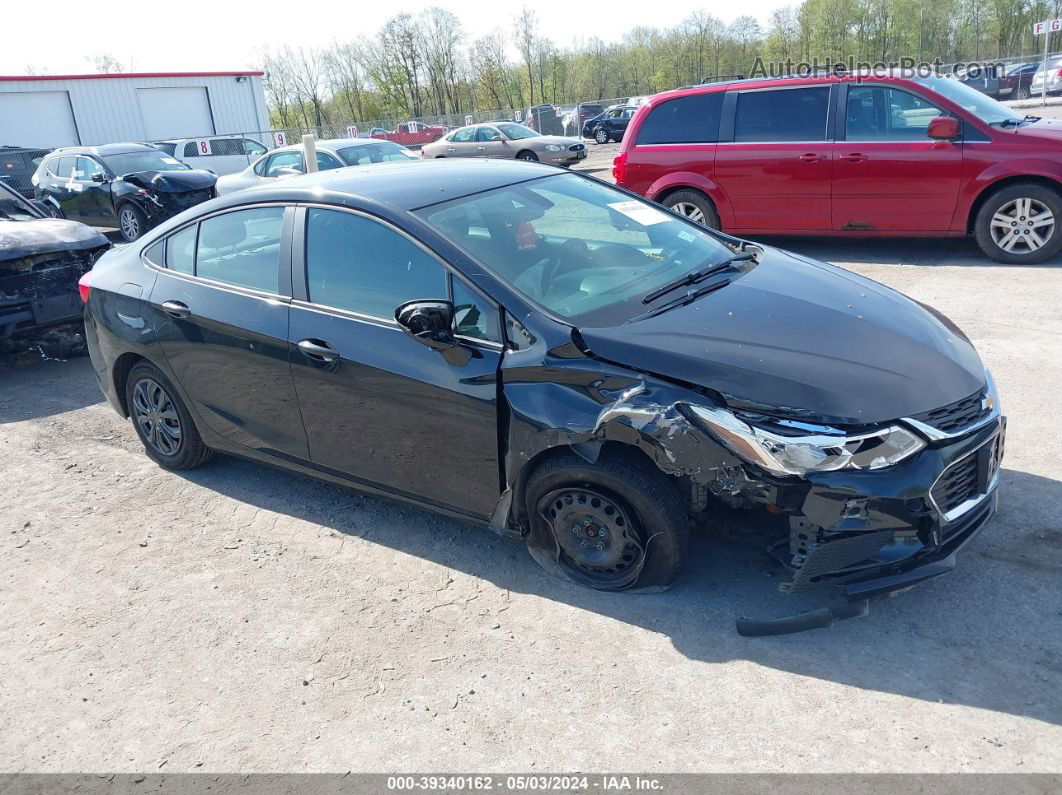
[352, 131]
[280, 138]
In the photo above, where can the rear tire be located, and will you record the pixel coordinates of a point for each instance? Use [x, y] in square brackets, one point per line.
[1020, 224]
[693, 205]
[611, 525]
[162, 422]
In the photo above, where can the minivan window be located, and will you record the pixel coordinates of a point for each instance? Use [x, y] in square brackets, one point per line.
[876, 113]
[242, 248]
[686, 120]
[971, 100]
[784, 114]
[355, 263]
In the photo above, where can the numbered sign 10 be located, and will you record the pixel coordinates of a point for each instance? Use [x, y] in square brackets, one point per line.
[352, 131]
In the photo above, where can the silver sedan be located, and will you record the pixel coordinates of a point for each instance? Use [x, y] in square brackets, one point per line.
[506, 139]
[334, 153]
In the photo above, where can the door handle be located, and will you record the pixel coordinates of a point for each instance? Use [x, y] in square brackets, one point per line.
[318, 351]
[810, 157]
[176, 309]
[480, 148]
[854, 157]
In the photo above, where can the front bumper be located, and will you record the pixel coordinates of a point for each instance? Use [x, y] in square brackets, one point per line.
[878, 533]
[564, 158]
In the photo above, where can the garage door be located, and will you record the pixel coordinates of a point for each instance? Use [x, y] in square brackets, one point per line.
[37, 119]
[175, 112]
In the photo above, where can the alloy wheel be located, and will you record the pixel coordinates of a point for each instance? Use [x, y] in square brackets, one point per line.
[1022, 226]
[691, 211]
[130, 224]
[598, 538]
[156, 416]
[601, 137]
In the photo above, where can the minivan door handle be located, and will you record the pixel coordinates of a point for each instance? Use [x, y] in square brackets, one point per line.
[318, 351]
[810, 157]
[176, 309]
[854, 157]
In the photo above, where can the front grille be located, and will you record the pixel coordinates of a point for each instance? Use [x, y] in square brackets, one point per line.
[956, 415]
[956, 485]
[576, 147]
[182, 201]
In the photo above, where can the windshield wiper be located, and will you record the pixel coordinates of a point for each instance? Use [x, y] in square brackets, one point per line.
[682, 300]
[1016, 122]
[697, 276]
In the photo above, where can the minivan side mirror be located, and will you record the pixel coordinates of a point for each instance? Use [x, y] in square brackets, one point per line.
[431, 323]
[943, 128]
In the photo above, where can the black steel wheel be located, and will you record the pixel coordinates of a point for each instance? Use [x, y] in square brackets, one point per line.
[527, 154]
[162, 422]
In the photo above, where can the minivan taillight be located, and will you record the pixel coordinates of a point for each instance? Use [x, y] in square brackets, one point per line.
[1059, 73]
[619, 167]
[83, 287]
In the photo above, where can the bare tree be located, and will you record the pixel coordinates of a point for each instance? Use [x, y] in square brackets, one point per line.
[525, 36]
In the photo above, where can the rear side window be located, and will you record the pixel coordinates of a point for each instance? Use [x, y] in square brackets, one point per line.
[242, 248]
[180, 251]
[693, 119]
[786, 114]
[64, 167]
[355, 263]
[191, 149]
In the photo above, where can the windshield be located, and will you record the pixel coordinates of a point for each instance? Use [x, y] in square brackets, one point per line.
[517, 131]
[153, 160]
[970, 99]
[383, 152]
[584, 251]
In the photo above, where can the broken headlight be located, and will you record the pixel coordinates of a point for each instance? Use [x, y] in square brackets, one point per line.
[795, 448]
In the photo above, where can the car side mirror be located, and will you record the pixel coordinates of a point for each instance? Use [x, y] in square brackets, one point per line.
[943, 128]
[98, 177]
[431, 323]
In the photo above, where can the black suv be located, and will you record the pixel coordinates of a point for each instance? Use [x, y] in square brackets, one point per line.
[609, 125]
[131, 187]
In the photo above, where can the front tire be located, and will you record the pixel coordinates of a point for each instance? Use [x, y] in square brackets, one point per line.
[694, 205]
[1023, 93]
[132, 223]
[1020, 224]
[527, 155]
[614, 524]
[162, 422]
[601, 136]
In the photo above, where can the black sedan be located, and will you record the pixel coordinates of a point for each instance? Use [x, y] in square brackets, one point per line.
[562, 360]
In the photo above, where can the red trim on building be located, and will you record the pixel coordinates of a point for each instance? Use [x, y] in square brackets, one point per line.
[127, 75]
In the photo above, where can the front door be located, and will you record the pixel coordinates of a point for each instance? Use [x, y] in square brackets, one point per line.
[491, 143]
[93, 200]
[378, 406]
[775, 168]
[888, 174]
[221, 312]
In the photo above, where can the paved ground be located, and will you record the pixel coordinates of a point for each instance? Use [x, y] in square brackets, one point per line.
[241, 618]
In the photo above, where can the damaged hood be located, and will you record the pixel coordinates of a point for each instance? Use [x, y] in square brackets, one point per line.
[20, 239]
[804, 339]
[172, 181]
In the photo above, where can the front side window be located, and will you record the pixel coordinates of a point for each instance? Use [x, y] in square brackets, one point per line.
[517, 132]
[326, 161]
[358, 264]
[382, 152]
[876, 113]
[253, 148]
[784, 114]
[582, 250]
[692, 119]
[487, 134]
[283, 160]
[971, 100]
[242, 248]
[85, 168]
[474, 316]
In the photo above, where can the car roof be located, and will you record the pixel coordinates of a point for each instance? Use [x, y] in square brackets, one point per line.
[407, 186]
[105, 149]
[336, 143]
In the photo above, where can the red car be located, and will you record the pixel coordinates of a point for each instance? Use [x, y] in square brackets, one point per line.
[411, 133]
[852, 156]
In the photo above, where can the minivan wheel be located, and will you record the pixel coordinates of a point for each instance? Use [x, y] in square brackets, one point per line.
[601, 136]
[162, 422]
[1020, 224]
[694, 205]
[611, 525]
[132, 222]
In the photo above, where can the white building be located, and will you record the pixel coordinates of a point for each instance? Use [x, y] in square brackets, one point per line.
[50, 111]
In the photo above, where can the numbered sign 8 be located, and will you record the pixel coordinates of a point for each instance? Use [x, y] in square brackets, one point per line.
[202, 147]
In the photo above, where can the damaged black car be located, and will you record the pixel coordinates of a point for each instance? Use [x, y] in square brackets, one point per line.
[563, 361]
[128, 187]
[41, 260]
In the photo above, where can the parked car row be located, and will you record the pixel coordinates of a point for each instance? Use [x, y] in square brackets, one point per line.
[507, 140]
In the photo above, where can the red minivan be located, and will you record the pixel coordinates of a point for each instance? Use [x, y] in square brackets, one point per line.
[852, 156]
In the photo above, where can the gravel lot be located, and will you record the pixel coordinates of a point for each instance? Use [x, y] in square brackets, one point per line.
[239, 618]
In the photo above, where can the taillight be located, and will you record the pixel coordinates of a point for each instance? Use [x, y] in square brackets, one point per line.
[619, 167]
[83, 287]
[1059, 73]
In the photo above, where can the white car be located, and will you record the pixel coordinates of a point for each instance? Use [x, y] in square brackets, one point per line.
[221, 155]
[336, 153]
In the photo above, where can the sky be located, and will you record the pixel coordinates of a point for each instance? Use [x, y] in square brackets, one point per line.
[231, 34]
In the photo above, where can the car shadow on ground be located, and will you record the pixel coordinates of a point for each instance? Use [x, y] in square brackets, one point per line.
[956, 640]
[56, 386]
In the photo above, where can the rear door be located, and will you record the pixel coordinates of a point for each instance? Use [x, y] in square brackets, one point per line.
[378, 406]
[220, 307]
[462, 143]
[888, 175]
[773, 161]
